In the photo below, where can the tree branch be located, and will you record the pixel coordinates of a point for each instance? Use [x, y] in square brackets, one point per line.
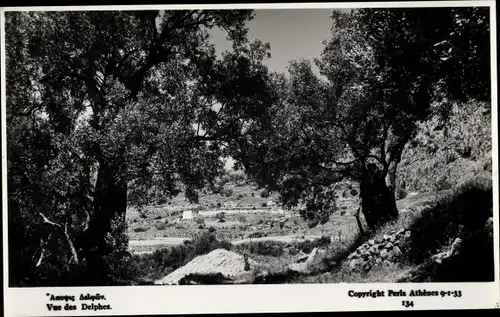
[72, 247]
[65, 231]
[46, 220]
[39, 262]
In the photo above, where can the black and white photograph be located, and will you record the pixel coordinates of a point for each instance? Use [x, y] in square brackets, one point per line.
[167, 147]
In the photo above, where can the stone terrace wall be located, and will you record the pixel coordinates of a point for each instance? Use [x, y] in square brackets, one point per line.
[390, 248]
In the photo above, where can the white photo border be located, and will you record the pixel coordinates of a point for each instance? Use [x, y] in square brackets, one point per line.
[137, 300]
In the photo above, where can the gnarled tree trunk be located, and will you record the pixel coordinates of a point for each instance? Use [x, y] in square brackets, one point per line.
[390, 178]
[110, 203]
[378, 202]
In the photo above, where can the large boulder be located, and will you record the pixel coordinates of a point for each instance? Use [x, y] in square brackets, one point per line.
[217, 267]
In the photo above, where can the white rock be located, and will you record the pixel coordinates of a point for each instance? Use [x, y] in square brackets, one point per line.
[230, 264]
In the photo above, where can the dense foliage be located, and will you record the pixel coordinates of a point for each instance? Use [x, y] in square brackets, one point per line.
[101, 107]
[381, 71]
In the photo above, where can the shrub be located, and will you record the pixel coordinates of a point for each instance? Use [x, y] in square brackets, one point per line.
[354, 192]
[266, 248]
[242, 227]
[216, 189]
[227, 192]
[143, 215]
[401, 193]
[443, 183]
[205, 243]
[468, 207]
[236, 177]
[253, 194]
[264, 193]
[211, 229]
[323, 241]
[161, 226]
[256, 234]
[199, 220]
[158, 217]
[308, 245]
[224, 179]
[161, 200]
[220, 216]
[140, 229]
[241, 218]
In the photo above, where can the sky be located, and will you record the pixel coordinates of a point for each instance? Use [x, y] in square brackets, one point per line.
[292, 33]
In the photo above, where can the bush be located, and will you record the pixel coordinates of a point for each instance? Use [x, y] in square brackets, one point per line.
[308, 245]
[161, 226]
[220, 216]
[224, 179]
[216, 189]
[227, 192]
[237, 177]
[401, 193]
[264, 193]
[241, 218]
[199, 220]
[443, 183]
[354, 192]
[256, 234]
[468, 207]
[211, 229]
[140, 229]
[205, 243]
[266, 248]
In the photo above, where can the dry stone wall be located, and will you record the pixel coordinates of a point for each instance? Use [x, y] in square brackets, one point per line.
[390, 247]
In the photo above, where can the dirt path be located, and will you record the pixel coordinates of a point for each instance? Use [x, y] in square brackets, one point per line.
[157, 242]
